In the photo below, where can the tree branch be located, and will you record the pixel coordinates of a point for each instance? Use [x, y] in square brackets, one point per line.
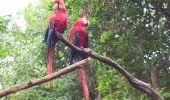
[44, 79]
[136, 83]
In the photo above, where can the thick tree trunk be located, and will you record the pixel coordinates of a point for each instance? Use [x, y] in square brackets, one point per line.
[136, 83]
[155, 76]
[155, 71]
[99, 97]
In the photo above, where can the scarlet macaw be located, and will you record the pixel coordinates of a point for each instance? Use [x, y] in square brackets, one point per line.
[79, 37]
[57, 23]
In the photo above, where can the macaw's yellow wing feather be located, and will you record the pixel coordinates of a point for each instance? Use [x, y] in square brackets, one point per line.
[46, 22]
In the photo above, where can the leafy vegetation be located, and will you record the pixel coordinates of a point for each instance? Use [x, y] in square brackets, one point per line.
[134, 33]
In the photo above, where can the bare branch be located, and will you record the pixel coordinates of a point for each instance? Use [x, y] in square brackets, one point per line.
[138, 84]
[45, 79]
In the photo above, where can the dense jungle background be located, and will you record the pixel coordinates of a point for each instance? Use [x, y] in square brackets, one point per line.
[134, 33]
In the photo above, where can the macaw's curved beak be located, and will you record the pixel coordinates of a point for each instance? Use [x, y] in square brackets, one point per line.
[59, 6]
[87, 23]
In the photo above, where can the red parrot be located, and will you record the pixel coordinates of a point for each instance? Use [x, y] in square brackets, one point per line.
[57, 23]
[79, 37]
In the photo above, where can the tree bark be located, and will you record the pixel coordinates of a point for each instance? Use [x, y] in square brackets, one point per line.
[156, 70]
[155, 76]
[45, 79]
[136, 83]
[99, 97]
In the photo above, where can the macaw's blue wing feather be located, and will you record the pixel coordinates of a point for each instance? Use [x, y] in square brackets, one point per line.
[76, 38]
[75, 56]
[50, 41]
[49, 36]
[46, 34]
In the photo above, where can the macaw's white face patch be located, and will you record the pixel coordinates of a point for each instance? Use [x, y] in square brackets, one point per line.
[85, 21]
[58, 6]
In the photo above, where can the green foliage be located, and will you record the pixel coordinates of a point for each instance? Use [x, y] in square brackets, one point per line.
[3, 30]
[163, 92]
[3, 53]
[133, 33]
[105, 36]
[3, 24]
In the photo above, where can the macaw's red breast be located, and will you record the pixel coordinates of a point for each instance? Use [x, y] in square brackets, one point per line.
[60, 20]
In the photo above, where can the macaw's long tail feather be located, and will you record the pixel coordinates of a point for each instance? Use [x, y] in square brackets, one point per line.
[82, 75]
[50, 62]
[50, 52]
[75, 57]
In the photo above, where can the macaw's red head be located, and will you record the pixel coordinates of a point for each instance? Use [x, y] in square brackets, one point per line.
[59, 5]
[83, 21]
